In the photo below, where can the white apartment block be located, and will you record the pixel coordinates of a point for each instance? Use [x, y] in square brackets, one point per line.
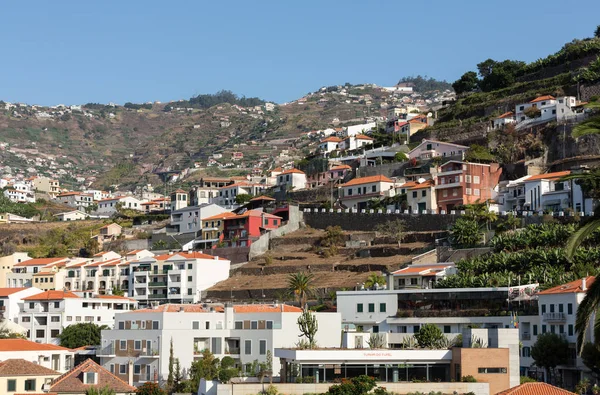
[177, 277]
[22, 273]
[11, 301]
[189, 219]
[46, 314]
[243, 332]
[109, 206]
[47, 355]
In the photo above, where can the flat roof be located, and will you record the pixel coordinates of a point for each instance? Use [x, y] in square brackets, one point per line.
[363, 356]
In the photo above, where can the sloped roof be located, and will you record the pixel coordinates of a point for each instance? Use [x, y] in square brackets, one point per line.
[506, 115]
[173, 308]
[266, 308]
[362, 137]
[72, 381]
[420, 269]
[340, 167]
[292, 171]
[535, 389]
[572, 287]
[367, 180]
[549, 176]
[262, 197]
[21, 367]
[542, 98]
[331, 139]
[254, 213]
[423, 185]
[26, 345]
[4, 292]
[40, 261]
[226, 214]
[52, 295]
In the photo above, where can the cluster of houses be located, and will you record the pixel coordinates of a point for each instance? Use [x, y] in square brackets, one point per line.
[549, 109]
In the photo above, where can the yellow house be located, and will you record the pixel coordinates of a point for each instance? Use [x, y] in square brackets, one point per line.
[18, 376]
[6, 264]
[212, 228]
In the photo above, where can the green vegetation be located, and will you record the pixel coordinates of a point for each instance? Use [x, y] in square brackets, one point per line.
[301, 286]
[100, 391]
[221, 97]
[27, 210]
[465, 233]
[243, 198]
[150, 388]
[549, 351]
[375, 279]
[590, 355]
[360, 385]
[478, 153]
[133, 106]
[424, 84]
[209, 368]
[74, 239]
[429, 336]
[393, 229]
[83, 334]
[308, 326]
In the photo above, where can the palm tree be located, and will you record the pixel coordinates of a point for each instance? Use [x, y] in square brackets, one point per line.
[374, 279]
[301, 285]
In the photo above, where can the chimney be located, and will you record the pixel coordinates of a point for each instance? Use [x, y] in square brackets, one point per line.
[584, 284]
[130, 373]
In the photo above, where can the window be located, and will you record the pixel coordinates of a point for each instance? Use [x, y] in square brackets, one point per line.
[416, 328]
[196, 325]
[382, 307]
[262, 347]
[137, 369]
[239, 325]
[137, 345]
[570, 330]
[543, 328]
[189, 278]
[269, 324]
[476, 192]
[371, 307]
[216, 347]
[55, 318]
[189, 291]
[247, 347]
[561, 329]
[31, 305]
[414, 194]
[54, 333]
[40, 333]
[359, 307]
[447, 328]
[560, 308]
[552, 328]
[569, 308]
[374, 188]
[467, 178]
[535, 330]
[30, 385]
[26, 319]
[56, 305]
[424, 193]
[154, 324]
[11, 385]
[552, 308]
[121, 323]
[122, 344]
[526, 352]
[78, 319]
[207, 325]
[445, 193]
[122, 369]
[491, 370]
[543, 309]
[254, 325]
[189, 266]
[468, 191]
[475, 179]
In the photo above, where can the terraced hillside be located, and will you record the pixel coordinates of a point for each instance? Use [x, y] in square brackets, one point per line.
[299, 252]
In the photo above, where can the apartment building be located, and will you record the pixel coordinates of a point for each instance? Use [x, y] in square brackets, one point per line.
[212, 230]
[244, 332]
[109, 206]
[46, 185]
[551, 108]
[189, 219]
[11, 301]
[49, 356]
[243, 229]
[459, 183]
[46, 314]
[179, 199]
[356, 193]
[178, 277]
[420, 196]
[77, 200]
[7, 263]
[21, 274]
[429, 149]
[228, 193]
[549, 192]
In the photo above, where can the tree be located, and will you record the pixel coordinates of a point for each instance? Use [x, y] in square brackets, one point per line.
[532, 112]
[597, 32]
[478, 153]
[375, 279]
[549, 351]
[243, 198]
[117, 291]
[394, 229]
[100, 391]
[205, 368]
[590, 355]
[79, 335]
[301, 285]
[360, 385]
[171, 368]
[178, 384]
[227, 369]
[468, 82]
[400, 157]
[465, 233]
[151, 388]
[308, 325]
[429, 336]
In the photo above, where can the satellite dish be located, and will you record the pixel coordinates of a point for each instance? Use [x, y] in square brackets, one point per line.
[421, 180]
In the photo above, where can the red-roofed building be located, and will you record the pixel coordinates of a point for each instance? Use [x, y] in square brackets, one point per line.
[351, 143]
[357, 192]
[48, 356]
[76, 200]
[227, 194]
[242, 229]
[292, 179]
[421, 275]
[421, 196]
[549, 192]
[551, 109]
[89, 374]
[212, 229]
[535, 389]
[329, 144]
[503, 120]
[428, 149]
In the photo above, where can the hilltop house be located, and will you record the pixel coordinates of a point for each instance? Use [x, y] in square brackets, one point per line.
[420, 196]
[551, 108]
[75, 215]
[109, 206]
[329, 144]
[356, 193]
[503, 120]
[354, 142]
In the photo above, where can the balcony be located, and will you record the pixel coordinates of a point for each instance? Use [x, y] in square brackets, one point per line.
[451, 185]
[108, 351]
[157, 296]
[450, 172]
[526, 336]
[157, 284]
[554, 317]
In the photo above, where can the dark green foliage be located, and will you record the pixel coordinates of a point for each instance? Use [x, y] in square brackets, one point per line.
[468, 379]
[478, 153]
[429, 336]
[424, 84]
[27, 210]
[498, 75]
[465, 233]
[133, 106]
[223, 96]
[243, 198]
[151, 388]
[597, 32]
[79, 335]
[468, 82]
[100, 391]
[590, 354]
[549, 351]
[360, 385]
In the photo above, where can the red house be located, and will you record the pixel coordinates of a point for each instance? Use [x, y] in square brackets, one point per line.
[241, 230]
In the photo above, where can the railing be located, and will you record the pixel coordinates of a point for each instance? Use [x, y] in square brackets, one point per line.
[554, 317]
[526, 336]
[108, 350]
[232, 350]
[157, 284]
[157, 296]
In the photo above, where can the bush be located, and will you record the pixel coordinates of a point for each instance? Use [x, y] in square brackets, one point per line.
[468, 379]
[429, 336]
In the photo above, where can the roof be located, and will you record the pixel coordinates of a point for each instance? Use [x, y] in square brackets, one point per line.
[72, 381]
[549, 176]
[340, 167]
[362, 137]
[331, 139]
[254, 213]
[180, 191]
[266, 308]
[292, 171]
[21, 367]
[26, 345]
[367, 180]
[69, 194]
[40, 262]
[52, 295]
[223, 215]
[572, 287]
[535, 389]
[506, 115]
[133, 252]
[187, 255]
[542, 98]
[173, 308]
[4, 292]
[423, 185]
[262, 197]
[421, 269]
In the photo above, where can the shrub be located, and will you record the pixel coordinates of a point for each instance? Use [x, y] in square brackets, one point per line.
[468, 379]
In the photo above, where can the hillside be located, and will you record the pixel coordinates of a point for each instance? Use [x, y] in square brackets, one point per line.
[110, 144]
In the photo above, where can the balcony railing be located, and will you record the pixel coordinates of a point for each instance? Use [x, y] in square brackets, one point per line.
[157, 284]
[526, 336]
[232, 350]
[157, 296]
[106, 351]
[556, 317]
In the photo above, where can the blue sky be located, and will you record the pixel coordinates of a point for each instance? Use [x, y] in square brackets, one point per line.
[73, 52]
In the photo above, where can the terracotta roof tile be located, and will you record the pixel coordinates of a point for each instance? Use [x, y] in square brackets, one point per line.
[542, 98]
[262, 197]
[362, 137]
[367, 180]
[340, 167]
[226, 214]
[535, 389]
[568, 288]
[4, 292]
[423, 185]
[173, 308]
[40, 262]
[21, 367]
[26, 345]
[72, 381]
[506, 115]
[331, 139]
[266, 308]
[549, 176]
[52, 295]
[292, 171]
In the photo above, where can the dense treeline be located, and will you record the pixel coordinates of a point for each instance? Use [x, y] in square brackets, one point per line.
[223, 96]
[424, 84]
[134, 106]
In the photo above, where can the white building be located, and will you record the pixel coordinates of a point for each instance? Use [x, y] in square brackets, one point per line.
[76, 200]
[329, 144]
[292, 179]
[432, 149]
[353, 142]
[19, 196]
[49, 356]
[46, 314]
[549, 192]
[189, 219]
[551, 108]
[360, 129]
[178, 277]
[244, 332]
[11, 301]
[357, 192]
[21, 274]
[74, 215]
[503, 120]
[227, 194]
[97, 194]
[109, 206]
